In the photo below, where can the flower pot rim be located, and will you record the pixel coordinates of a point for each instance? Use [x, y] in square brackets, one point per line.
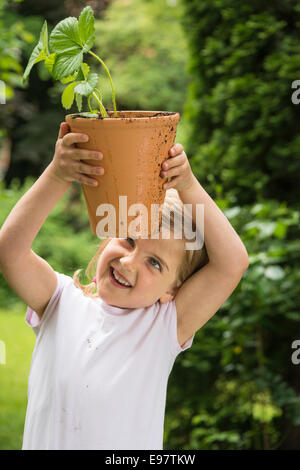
[129, 115]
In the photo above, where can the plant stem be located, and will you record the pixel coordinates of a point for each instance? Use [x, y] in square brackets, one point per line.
[102, 109]
[111, 83]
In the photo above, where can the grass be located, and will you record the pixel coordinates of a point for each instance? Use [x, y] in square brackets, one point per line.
[19, 342]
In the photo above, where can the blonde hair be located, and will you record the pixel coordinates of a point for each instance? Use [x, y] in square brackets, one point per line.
[192, 260]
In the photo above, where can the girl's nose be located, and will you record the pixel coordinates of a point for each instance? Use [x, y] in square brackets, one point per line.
[128, 263]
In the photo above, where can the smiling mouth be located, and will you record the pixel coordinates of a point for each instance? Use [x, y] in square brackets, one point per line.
[115, 281]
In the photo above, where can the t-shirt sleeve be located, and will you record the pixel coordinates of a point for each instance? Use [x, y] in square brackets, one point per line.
[169, 316]
[31, 317]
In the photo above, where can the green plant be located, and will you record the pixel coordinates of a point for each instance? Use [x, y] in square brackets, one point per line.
[69, 40]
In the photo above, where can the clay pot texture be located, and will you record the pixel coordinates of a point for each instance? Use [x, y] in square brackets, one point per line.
[134, 146]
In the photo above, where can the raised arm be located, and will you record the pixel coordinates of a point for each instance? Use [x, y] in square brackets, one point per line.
[201, 296]
[30, 276]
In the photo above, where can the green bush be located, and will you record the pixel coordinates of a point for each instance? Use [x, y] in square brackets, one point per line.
[242, 140]
[243, 59]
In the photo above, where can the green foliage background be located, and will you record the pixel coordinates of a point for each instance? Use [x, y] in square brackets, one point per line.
[242, 136]
[227, 67]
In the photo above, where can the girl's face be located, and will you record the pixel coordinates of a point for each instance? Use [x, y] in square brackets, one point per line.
[148, 265]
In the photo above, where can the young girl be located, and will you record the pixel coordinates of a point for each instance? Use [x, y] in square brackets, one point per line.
[101, 362]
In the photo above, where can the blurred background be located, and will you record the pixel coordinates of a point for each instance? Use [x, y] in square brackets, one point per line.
[227, 66]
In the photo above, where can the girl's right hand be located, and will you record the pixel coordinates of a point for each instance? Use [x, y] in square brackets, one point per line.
[68, 161]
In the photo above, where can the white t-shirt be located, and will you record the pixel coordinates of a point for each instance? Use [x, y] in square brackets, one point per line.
[99, 373]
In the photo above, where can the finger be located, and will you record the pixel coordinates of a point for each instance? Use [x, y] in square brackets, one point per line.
[83, 154]
[86, 180]
[174, 161]
[63, 129]
[173, 172]
[176, 149]
[88, 169]
[74, 137]
[171, 183]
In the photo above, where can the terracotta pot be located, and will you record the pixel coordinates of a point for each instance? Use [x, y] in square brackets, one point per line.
[134, 146]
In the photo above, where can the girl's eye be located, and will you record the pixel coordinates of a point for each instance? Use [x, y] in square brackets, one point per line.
[157, 263]
[131, 241]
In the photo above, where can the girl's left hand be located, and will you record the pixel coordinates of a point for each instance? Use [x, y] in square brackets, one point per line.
[178, 169]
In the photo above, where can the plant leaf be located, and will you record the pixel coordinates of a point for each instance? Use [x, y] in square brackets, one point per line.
[68, 95]
[83, 71]
[65, 36]
[38, 52]
[87, 87]
[44, 38]
[49, 62]
[86, 26]
[78, 101]
[66, 64]
[69, 78]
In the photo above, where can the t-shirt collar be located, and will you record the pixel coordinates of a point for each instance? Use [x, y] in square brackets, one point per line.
[113, 310]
